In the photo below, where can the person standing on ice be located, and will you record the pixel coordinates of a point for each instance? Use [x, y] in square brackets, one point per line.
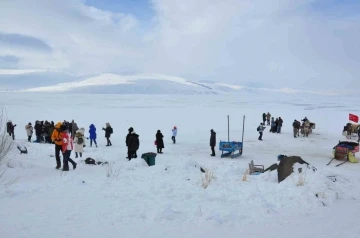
[133, 146]
[159, 142]
[79, 142]
[296, 126]
[11, 129]
[56, 137]
[268, 117]
[280, 125]
[92, 132]
[38, 130]
[264, 117]
[108, 131]
[261, 129]
[212, 142]
[29, 131]
[127, 140]
[67, 147]
[74, 129]
[273, 125]
[174, 134]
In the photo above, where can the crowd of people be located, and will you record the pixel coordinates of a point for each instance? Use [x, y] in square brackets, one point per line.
[67, 137]
[276, 125]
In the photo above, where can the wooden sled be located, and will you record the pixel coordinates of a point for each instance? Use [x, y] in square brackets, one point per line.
[342, 154]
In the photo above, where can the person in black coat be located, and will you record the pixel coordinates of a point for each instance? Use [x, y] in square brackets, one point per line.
[264, 117]
[11, 129]
[38, 130]
[159, 142]
[127, 140]
[133, 145]
[213, 142]
[108, 131]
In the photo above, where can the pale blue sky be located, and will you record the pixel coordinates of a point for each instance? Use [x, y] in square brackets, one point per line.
[142, 9]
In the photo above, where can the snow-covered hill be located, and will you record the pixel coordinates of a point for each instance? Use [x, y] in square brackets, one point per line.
[126, 84]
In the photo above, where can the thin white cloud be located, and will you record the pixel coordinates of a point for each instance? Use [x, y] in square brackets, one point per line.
[268, 43]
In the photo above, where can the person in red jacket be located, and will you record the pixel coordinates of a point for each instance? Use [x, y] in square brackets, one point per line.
[67, 147]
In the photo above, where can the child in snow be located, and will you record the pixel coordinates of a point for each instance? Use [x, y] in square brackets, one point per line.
[174, 133]
[29, 131]
[159, 142]
[79, 142]
[67, 147]
[108, 131]
[92, 132]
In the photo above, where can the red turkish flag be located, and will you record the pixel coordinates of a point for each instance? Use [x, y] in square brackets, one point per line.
[353, 118]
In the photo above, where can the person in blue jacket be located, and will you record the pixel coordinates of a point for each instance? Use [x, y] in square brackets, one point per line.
[92, 132]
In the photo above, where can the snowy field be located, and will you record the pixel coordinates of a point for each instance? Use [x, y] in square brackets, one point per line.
[168, 200]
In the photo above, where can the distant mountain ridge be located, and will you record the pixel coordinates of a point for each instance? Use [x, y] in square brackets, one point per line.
[57, 82]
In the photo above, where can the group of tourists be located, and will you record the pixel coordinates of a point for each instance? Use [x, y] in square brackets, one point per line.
[68, 137]
[275, 124]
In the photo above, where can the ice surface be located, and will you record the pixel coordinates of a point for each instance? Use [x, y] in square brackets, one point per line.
[167, 200]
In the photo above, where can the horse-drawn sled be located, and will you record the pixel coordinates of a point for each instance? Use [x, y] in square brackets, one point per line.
[345, 151]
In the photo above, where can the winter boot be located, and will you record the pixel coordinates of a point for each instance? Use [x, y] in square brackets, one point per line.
[76, 155]
[74, 165]
[65, 168]
[58, 164]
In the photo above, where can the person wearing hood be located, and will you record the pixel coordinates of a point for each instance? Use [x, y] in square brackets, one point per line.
[67, 147]
[29, 131]
[159, 142]
[56, 137]
[92, 132]
[212, 142]
[174, 134]
[79, 142]
[133, 145]
[108, 131]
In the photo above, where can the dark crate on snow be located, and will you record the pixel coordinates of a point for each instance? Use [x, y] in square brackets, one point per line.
[230, 149]
[149, 158]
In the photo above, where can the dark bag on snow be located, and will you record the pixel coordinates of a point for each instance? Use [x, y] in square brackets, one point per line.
[90, 161]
